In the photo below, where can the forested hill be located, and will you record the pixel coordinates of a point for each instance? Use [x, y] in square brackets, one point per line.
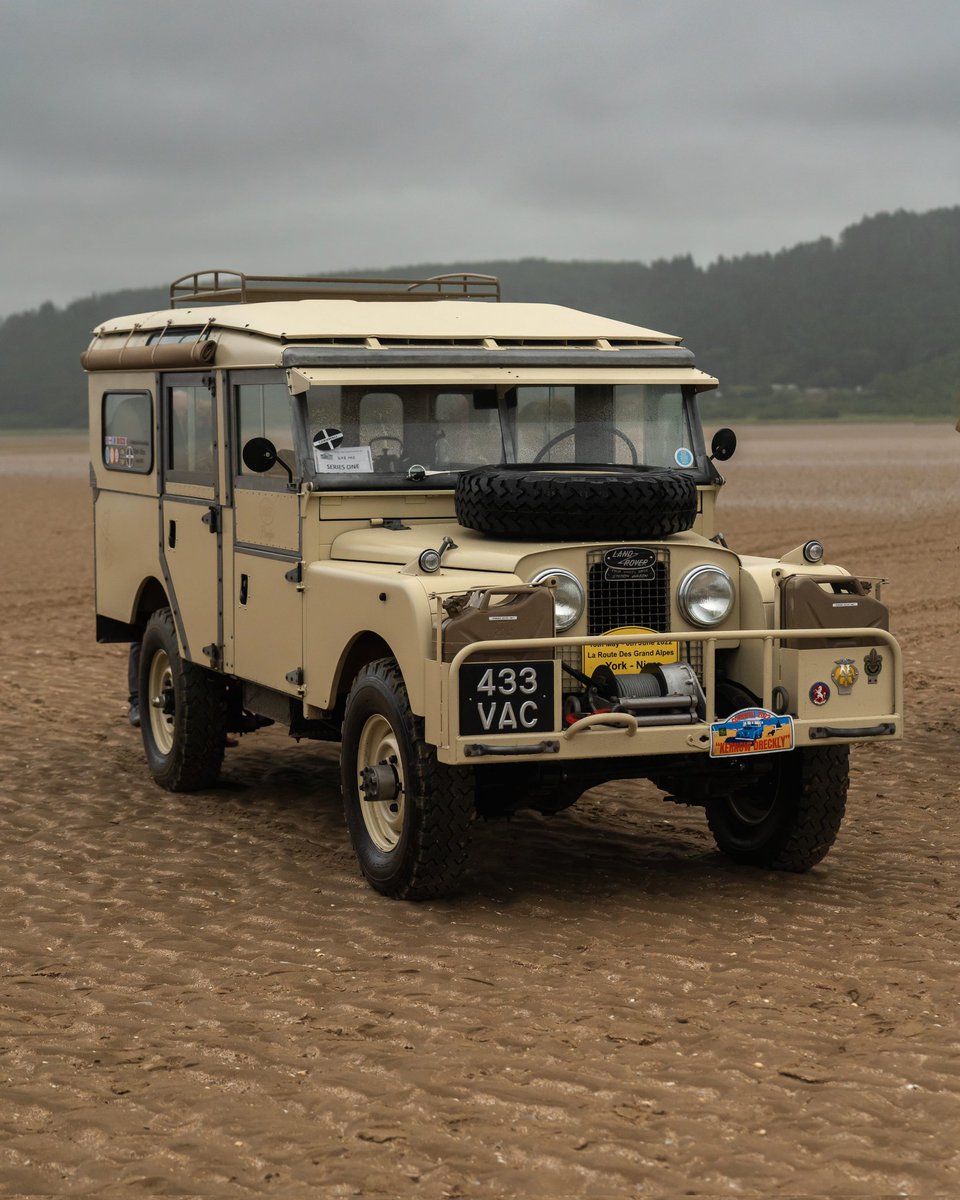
[868, 322]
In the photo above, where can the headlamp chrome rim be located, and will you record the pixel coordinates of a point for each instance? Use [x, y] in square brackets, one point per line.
[569, 589]
[688, 603]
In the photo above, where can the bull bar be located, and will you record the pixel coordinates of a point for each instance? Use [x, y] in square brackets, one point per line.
[620, 734]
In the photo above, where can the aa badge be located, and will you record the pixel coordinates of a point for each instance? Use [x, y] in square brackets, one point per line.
[844, 675]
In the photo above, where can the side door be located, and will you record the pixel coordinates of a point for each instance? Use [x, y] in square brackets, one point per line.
[267, 543]
[190, 514]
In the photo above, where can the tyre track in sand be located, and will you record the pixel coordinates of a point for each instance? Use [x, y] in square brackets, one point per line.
[199, 996]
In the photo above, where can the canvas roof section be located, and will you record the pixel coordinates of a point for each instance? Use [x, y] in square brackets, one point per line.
[447, 319]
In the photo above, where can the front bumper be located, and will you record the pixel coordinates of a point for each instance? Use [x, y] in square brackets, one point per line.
[787, 678]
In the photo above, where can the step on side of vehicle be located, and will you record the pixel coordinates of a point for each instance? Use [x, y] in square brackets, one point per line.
[474, 542]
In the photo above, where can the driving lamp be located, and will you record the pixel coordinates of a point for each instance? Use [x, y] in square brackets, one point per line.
[706, 596]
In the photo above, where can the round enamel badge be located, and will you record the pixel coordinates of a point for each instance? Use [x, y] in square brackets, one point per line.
[819, 694]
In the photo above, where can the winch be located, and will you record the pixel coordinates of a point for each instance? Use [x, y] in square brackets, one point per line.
[658, 694]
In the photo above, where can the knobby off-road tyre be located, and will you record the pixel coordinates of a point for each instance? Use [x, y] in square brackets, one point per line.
[790, 821]
[415, 846]
[576, 503]
[183, 711]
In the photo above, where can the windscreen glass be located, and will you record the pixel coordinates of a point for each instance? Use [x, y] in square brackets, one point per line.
[386, 435]
[628, 425]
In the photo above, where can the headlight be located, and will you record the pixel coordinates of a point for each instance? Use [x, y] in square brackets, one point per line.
[567, 596]
[706, 596]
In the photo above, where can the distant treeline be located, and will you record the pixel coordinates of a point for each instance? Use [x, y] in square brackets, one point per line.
[866, 324]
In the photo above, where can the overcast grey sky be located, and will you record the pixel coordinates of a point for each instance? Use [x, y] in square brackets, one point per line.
[141, 140]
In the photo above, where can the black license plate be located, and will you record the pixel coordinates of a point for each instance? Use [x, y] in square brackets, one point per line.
[506, 698]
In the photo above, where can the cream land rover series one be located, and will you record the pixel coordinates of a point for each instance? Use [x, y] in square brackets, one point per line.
[474, 542]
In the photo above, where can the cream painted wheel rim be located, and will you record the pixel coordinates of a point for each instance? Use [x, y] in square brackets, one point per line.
[383, 819]
[162, 725]
[751, 812]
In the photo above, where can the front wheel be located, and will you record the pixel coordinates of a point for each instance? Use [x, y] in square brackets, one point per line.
[790, 820]
[409, 816]
[183, 711]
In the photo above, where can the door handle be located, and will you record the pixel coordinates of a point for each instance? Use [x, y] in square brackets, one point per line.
[172, 535]
[244, 586]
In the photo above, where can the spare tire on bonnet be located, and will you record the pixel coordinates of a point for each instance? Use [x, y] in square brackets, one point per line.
[579, 502]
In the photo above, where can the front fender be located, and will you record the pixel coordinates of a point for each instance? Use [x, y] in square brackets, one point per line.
[345, 599]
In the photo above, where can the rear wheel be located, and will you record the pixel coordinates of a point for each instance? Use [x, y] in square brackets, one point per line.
[183, 711]
[790, 820]
[409, 816]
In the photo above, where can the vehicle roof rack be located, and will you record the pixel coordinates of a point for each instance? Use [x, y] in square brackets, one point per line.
[220, 286]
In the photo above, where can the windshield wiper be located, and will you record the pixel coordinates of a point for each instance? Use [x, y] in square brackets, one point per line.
[416, 473]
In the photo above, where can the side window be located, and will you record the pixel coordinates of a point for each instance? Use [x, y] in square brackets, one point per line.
[127, 425]
[263, 410]
[190, 433]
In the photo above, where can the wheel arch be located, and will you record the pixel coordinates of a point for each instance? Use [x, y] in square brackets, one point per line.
[150, 597]
[366, 647]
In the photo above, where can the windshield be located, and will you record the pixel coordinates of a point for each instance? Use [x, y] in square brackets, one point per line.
[387, 436]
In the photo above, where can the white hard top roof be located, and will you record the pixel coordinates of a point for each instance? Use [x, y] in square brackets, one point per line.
[306, 319]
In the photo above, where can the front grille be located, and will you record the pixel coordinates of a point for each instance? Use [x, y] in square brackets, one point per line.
[614, 603]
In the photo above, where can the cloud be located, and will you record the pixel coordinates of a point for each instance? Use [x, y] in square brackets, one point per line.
[144, 141]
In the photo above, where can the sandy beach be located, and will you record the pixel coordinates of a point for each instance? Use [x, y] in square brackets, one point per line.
[201, 997]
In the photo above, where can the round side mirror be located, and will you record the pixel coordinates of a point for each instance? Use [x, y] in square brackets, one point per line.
[259, 455]
[723, 445]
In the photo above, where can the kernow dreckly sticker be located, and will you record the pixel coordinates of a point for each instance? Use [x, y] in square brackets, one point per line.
[684, 457]
[751, 731]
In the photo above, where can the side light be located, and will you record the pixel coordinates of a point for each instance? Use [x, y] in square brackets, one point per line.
[813, 551]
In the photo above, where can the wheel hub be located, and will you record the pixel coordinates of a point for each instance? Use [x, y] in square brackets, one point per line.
[380, 783]
[164, 701]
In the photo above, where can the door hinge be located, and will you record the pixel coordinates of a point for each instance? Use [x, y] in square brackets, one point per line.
[295, 677]
[212, 518]
[213, 653]
[295, 574]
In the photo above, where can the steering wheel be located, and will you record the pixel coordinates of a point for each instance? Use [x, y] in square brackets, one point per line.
[387, 437]
[538, 457]
[386, 460]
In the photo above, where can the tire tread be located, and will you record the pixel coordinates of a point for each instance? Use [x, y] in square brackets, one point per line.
[435, 857]
[811, 802]
[535, 501]
[196, 758]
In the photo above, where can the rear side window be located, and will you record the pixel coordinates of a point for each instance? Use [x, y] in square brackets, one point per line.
[128, 432]
[191, 433]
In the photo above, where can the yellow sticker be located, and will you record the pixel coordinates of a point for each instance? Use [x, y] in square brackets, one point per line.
[628, 656]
